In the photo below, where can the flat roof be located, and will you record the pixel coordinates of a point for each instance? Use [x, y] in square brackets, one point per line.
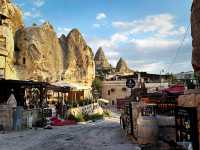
[30, 83]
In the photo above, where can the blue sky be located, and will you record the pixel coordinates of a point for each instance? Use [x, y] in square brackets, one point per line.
[146, 33]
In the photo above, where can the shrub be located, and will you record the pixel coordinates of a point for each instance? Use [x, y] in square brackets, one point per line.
[79, 118]
[71, 117]
[106, 113]
[95, 117]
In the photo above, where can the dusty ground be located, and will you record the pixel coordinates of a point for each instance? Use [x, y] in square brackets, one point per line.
[101, 135]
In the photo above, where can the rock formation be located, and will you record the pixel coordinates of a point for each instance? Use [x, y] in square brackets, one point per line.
[101, 62]
[122, 67]
[38, 53]
[6, 53]
[35, 53]
[10, 21]
[195, 22]
[78, 59]
[13, 13]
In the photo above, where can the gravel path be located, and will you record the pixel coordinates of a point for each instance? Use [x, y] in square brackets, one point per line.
[101, 135]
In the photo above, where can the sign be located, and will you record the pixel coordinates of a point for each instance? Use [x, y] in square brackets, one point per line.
[186, 125]
[130, 83]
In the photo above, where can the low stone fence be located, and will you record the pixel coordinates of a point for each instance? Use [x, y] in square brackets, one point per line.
[87, 109]
[17, 119]
[191, 99]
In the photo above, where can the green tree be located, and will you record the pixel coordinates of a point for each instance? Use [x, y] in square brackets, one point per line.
[34, 24]
[97, 87]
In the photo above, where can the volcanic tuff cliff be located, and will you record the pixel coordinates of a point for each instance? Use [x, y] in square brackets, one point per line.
[78, 58]
[195, 22]
[14, 14]
[10, 21]
[38, 53]
[101, 62]
[122, 67]
[35, 53]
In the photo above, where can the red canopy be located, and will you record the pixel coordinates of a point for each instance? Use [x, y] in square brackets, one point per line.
[175, 89]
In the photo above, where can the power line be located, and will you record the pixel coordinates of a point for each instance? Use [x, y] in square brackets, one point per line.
[178, 49]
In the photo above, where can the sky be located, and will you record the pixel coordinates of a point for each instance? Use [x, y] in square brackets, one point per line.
[150, 35]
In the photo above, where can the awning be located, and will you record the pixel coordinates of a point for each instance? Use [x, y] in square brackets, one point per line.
[73, 86]
[103, 100]
[176, 89]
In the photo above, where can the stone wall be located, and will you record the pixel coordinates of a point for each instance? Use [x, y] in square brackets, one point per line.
[195, 28]
[113, 90]
[191, 99]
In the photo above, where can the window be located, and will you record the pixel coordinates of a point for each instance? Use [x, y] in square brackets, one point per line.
[2, 18]
[2, 42]
[112, 90]
[124, 89]
[24, 60]
[113, 102]
[1, 22]
[2, 73]
[108, 92]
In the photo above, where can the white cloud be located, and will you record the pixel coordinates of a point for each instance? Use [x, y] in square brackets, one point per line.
[96, 25]
[41, 20]
[156, 67]
[38, 3]
[61, 31]
[153, 67]
[162, 24]
[101, 16]
[154, 43]
[27, 14]
[20, 4]
[148, 44]
[117, 37]
[110, 43]
[32, 14]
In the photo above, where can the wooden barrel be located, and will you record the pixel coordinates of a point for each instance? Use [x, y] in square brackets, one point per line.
[6, 117]
[147, 130]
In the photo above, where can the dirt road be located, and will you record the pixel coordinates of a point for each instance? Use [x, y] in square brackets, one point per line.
[101, 135]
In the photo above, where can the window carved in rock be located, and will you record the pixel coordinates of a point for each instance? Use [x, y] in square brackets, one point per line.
[2, 43]
[112, 90]
[124, 89]
[24, 61]
[1, 20]
[108, 92]
[2, 72]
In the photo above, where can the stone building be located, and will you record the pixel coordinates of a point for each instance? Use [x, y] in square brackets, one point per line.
[115, 89]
